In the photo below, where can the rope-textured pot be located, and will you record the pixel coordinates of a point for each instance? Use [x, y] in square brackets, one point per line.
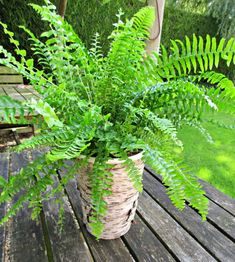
[121, 203]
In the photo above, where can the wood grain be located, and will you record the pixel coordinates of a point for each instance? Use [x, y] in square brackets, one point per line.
[27, 240]
[185, 247]
[10, 91]
[2, 92]
[7, 71]
[222, 219]
[144, 244]
[219, 198]
[9, 79]
[27, 92]
[69, 245]
[209, 236]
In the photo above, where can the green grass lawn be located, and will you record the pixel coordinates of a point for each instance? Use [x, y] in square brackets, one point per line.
[214, 163]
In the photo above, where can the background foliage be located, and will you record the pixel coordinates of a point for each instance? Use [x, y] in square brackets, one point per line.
[89, 17]
[223, 11]
[179, 22]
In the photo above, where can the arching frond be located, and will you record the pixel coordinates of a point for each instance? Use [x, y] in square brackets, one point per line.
[182, 185]
[198, 55]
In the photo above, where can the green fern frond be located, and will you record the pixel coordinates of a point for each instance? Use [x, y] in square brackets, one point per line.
[101, 182]
[60, 35]
[197, 125]
[225, 100]
[126, 52]
[214, 78]
[164, 125]
[46, 111]
[25, 180]
[96, 50]
[145, 117]
[143, 20]
[192, 56]
[182, 186]
[44, 139]
[13, 111]
[133, 173]
[68, 149]
[177, 100]
[219, 123]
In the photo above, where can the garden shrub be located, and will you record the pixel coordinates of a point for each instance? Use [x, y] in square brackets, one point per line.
[89, 17]
[178, 23]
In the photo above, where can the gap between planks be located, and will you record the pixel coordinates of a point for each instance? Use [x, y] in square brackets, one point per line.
[205, 233]
[218, 216]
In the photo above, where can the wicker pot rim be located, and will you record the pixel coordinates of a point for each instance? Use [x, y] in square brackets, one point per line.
[116, 161]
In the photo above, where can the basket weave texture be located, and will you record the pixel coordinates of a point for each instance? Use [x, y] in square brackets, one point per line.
[122, 203]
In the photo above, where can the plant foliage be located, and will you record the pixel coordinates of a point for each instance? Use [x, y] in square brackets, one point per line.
[114, 105]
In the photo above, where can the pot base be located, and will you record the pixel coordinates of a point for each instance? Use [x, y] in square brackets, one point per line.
[121, 204]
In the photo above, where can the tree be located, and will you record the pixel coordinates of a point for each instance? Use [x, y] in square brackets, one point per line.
[223, 11]
[62, 7]
[155, 36]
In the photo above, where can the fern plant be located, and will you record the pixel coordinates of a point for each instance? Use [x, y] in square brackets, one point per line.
[112, 106]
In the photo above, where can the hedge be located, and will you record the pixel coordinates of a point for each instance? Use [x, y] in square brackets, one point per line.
[89, 17]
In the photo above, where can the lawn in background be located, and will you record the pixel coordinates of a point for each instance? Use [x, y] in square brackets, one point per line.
[214, 163]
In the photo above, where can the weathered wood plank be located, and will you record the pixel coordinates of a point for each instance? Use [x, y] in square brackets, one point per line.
[2, 92]
[34, 92]
[7, 71]
[174, 236]
[211, 238]
[10, 91]
[112, 250]
[28, 88]
[217, 215]
[222, 219]
[26, 236]
[4, 169]
[219, 198]
[9, 79]
[8, 85]
[144, 244]
[26, 92]
[70, 245]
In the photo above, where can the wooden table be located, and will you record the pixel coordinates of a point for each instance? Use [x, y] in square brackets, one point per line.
[160, 232]
[11, 84]
[19, 91]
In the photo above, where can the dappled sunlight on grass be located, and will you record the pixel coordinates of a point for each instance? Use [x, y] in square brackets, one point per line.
[215, 162]
[205, 173]
[227, 160]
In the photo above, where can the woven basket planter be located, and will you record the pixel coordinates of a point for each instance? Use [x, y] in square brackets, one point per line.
[121, 204]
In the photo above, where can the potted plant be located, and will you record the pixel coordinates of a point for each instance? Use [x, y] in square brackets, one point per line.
[111, 114]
